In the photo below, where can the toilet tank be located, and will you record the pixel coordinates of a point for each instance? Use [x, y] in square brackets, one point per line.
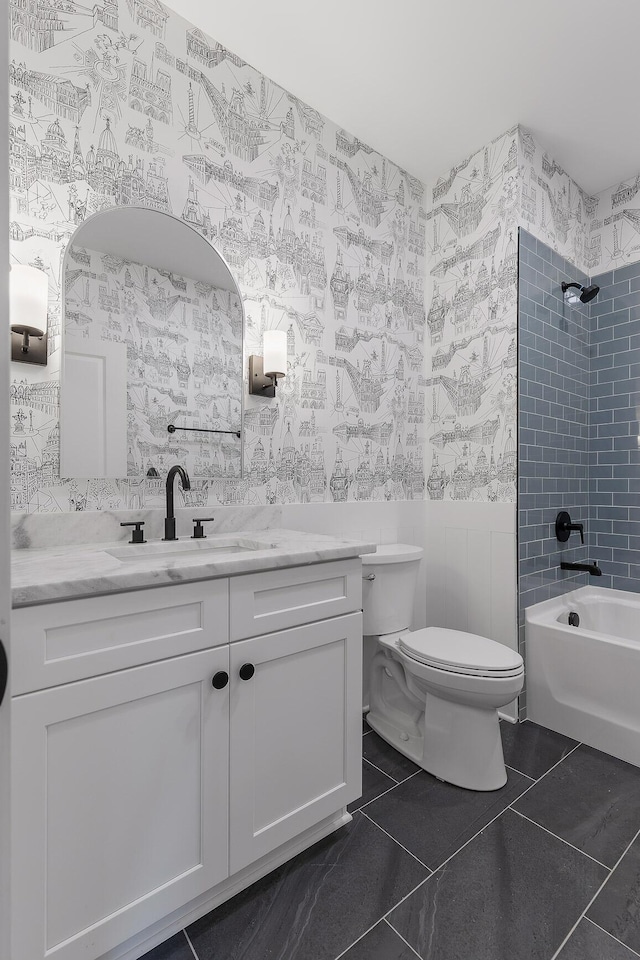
[389, 583]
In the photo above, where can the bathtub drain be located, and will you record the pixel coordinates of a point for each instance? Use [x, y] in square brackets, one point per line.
[574, 619]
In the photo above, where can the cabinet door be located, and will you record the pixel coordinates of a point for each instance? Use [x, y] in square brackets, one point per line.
[120, 800]
[296, 732]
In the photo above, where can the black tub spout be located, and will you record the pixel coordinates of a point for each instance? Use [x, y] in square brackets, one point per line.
[591, 568]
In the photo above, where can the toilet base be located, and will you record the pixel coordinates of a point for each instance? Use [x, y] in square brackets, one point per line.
[462, 744]
[459, 744]
[410, 747]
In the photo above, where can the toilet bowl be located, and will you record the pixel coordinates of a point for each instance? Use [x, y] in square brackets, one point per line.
[434, 693]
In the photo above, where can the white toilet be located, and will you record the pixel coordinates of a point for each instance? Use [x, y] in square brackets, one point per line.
[433, 693]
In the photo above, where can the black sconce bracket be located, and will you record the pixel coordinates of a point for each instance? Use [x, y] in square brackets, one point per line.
[28, 345]
[259, 384]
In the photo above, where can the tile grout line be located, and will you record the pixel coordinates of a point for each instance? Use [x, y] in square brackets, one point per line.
[547, 772]
[402, 938]
[375, 924]
[385, 792]
[519, 772]
[556, 837]
[358, 939]
[467, 842]
[383, 918]
[380, 770]
[421, 862]
[537, 779]
[597, 894]
[400, 901]
[190, 944]
[493, 820]
[444, 862]
[611, 936]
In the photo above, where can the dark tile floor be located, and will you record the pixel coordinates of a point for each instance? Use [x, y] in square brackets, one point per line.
[547, 867]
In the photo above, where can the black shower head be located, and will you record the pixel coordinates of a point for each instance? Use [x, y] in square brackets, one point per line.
[586, 293]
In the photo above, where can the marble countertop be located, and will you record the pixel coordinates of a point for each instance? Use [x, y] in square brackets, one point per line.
[83, 570]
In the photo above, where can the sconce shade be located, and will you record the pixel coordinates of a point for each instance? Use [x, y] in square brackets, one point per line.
[29, 293]
[275, 353]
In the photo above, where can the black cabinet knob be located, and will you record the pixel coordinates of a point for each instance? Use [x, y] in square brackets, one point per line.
[247, 670]
[220, 680]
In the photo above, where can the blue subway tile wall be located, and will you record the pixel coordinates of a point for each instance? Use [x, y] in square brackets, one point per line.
[614, 411]
[553, 461]
[579, 408]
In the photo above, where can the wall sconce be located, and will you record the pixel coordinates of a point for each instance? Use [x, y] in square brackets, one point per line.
[265, 370]
[28, 299]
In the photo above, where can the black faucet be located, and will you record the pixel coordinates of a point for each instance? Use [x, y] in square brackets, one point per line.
[591, 568]
[170, 520]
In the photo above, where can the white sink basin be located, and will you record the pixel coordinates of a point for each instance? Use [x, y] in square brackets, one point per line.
[188, 548]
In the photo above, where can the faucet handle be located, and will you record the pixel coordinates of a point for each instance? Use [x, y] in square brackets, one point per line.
[198, 530]
[564, 526]
[137, 535]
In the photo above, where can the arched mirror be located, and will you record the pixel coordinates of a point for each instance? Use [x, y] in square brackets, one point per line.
[152, 350]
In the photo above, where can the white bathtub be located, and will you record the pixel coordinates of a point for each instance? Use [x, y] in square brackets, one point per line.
[584, 681]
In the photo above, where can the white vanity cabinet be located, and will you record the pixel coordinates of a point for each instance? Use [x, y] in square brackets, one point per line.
[149, 788]
[120, 787]
[295, 748]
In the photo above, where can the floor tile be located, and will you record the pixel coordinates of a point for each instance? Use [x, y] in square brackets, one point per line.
[532, 749]
[590, 943]
[316, 905]
[513, 893]
[433, 819]
[374, 782]
[380, 753]
[591, 800]
[617, 908]
[381, 943]
[176, 948]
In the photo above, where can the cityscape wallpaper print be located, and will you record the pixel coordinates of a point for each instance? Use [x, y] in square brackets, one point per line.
[615, 227]
[472, 268]
[471, 370]
[183, 342]
[124, 102]
[597, 233]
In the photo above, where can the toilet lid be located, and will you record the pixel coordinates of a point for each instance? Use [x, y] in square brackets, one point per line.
[460, 652]
[392, 553]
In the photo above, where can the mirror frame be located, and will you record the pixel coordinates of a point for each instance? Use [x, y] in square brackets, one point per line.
[215, 251]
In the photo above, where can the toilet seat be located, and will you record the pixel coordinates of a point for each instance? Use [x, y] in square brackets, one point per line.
[454, 651]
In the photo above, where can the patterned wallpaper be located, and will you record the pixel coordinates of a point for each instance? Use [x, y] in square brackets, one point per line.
[553, 207]
[597, 233]
[125, 102]
[472, 234]
[183, 343]
[471, 377]
[615, 228]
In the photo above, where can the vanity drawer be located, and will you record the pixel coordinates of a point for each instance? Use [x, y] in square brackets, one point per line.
[279, 599]
[61, 642]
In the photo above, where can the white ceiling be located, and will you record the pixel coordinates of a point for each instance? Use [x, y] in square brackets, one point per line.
[426, 83]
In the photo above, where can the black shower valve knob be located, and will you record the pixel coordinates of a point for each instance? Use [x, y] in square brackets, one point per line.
[564, 526]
